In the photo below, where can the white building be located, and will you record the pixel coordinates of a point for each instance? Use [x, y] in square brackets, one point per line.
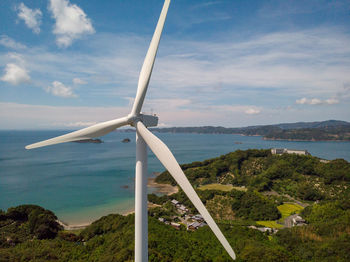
[182, 208]
[280, 151]
[298, 221]
[175, 225]
[174, 202]
[195, 225]
[198, 217]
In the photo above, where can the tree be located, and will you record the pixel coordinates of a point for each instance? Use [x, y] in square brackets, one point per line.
[308, 192]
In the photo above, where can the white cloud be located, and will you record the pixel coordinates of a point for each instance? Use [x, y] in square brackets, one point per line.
[310, 62]
[59, 89]
[332, 101]
[13, 115]
[10, 43]
[78, 81]
[252, 111]
[15, 74]
[19, 116]
[71, 22]
[166, 103]
[316, 101]
[194, 68]
[75, 124]
[183, 89]
[302, 101]
[31, 17]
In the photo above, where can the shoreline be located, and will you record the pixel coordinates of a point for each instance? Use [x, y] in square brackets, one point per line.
[151, 183]
[165, 189]
[303, 140]
[72, 227]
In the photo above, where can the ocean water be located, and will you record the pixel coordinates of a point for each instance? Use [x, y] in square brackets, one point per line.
[82, 182]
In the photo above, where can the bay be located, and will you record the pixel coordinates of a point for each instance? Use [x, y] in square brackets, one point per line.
[82, 182]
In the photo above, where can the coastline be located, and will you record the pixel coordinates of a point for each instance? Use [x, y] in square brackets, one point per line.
[164, 189]
[72, 227]
[151, 184]
[304, 140]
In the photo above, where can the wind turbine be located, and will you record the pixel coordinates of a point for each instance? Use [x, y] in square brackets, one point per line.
[143, 138]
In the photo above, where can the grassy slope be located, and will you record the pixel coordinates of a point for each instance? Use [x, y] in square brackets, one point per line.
[286, 210]
[216, 186]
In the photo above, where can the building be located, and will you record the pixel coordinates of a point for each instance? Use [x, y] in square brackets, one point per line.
[298, 152]
[298, 221]
[277, 151]
[174, 202]
[182, 209]
[175, 225]
[198, 218]
[280, 151]
[195, 225]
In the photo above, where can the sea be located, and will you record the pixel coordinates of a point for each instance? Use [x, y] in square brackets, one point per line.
[81, 182]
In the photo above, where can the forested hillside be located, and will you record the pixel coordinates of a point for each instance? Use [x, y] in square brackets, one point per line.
[310, 131]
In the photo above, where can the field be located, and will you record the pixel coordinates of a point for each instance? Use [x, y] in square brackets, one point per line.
[271, 224]
[288, 209]
[221, 187]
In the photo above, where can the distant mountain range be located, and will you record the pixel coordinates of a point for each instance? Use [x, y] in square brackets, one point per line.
[306, 131]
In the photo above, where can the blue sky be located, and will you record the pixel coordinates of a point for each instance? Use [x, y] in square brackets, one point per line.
[67, 64]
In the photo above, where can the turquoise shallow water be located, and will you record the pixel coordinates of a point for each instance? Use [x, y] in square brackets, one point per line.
[82, 182]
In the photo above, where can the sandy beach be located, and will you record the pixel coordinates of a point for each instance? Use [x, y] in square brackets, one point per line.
[165, 189]
[160, 189]
[72, 227]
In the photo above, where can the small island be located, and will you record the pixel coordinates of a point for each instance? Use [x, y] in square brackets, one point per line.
[93, 141]
[126, 140]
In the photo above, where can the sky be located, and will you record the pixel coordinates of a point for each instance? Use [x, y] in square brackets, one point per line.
[66, 64]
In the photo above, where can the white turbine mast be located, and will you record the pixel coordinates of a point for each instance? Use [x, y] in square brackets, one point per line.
[143, 138]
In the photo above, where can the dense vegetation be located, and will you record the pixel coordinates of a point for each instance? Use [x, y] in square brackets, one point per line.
[302, 177]
[326, 130]
[31, 233]
[325, 238]
[325, 133]
[27, 222]
[249, 205]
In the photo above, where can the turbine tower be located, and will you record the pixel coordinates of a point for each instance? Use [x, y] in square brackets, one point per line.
[145, 138]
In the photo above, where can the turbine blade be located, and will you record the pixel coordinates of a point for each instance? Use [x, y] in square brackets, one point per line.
[147, 66]
[168, 160]
[97, 130]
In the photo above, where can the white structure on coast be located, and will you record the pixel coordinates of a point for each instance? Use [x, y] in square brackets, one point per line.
[281, 151]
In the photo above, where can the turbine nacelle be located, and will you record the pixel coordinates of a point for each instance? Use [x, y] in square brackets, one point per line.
[147, 120]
